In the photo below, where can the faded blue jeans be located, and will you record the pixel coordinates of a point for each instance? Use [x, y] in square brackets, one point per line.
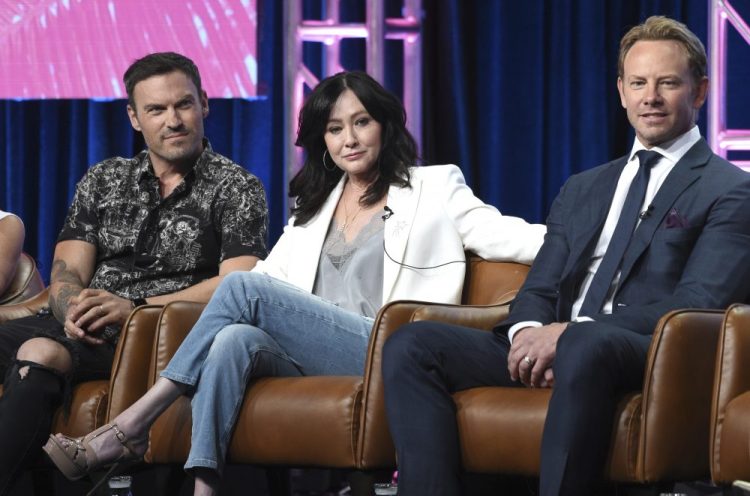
[256, 326]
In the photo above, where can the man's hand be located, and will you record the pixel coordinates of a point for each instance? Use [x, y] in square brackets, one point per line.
[75, 332]
[94, 309]
[532, 353]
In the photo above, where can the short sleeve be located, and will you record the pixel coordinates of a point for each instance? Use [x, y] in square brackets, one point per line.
[243, 218]
[82, 222]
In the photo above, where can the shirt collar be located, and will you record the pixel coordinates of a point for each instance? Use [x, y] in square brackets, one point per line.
[672, 150]
[144, 167]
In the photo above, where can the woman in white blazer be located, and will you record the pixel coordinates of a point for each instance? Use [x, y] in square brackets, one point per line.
[11, 243]
[367, 228]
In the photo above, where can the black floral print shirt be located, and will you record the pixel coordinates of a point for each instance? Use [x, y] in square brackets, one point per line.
[148, 245]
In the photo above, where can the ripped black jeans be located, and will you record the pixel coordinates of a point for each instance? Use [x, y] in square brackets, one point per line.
[32, 393]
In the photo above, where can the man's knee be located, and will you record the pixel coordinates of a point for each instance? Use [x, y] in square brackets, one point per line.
[404, 347]
[47, 352]
[584, 350]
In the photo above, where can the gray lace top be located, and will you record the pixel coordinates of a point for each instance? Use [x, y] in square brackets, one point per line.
[351, 274]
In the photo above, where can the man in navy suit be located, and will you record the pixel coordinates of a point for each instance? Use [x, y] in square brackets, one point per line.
[665, 227]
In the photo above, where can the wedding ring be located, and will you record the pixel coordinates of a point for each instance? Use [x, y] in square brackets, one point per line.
[100, 310]
[528, 360]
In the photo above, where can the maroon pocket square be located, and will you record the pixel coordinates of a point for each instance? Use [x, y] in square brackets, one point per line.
[675, 220]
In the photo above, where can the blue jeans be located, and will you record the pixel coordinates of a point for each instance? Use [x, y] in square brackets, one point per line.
[256, 326]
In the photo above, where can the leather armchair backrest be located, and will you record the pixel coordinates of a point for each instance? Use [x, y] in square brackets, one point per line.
[676, 403]
[487, 283]
[130, 379]
[26, 283]
[24, 308]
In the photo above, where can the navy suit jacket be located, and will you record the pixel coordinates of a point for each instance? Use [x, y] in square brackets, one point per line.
[692, 251]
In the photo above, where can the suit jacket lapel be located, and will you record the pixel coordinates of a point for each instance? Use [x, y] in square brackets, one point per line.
[403, 202]
[589, 221]
[684, 173]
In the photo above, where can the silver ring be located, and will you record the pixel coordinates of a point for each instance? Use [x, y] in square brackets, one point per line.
[528, 360]
[101, 310]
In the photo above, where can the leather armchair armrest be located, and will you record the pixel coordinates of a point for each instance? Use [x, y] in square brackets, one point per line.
[88, 409]
[24, 308]
[175, 322]
[677, 389]
[377, 448]
[733, 442]
[731, 381]
[129, 379]
[479, 317]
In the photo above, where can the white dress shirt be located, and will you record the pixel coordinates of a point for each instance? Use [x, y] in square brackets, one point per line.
[671, 153]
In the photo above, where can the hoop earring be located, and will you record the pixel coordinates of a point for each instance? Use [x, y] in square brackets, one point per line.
[325, 152]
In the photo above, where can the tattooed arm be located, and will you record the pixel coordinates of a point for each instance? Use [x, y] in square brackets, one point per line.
[72, 270]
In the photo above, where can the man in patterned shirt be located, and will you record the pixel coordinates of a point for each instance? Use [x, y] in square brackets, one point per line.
[165, 225]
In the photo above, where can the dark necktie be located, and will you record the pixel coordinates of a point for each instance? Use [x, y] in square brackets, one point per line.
[605, 274]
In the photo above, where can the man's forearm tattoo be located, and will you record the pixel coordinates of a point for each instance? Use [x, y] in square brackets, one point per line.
[67, 285]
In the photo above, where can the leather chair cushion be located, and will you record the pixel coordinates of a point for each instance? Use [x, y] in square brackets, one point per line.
[501, 431]
[298, 421]
[303, 421]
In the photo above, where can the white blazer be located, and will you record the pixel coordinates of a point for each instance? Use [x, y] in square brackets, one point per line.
[433, 222]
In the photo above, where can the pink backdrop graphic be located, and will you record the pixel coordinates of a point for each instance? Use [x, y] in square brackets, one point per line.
[80, 48]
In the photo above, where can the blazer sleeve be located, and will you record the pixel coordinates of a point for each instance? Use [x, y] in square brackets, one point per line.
[717, 272]
[483, 229]
[277, 262]
[539, 296]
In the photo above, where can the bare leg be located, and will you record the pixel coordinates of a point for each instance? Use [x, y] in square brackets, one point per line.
[206, 482]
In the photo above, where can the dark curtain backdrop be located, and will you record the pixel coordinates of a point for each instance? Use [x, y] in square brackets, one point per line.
[523, 94]
[520, 94]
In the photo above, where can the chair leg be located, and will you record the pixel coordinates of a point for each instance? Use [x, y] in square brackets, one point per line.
[278, 482]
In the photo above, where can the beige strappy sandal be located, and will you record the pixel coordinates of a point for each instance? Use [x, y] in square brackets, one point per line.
[75, 458]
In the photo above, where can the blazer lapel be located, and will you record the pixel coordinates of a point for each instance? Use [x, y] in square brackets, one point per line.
[403, 202]
[684, 173]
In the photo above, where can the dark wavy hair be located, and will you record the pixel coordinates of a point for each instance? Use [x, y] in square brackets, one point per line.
[313, 183]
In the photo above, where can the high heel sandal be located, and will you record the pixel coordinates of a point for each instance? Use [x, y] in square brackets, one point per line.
[75, 458]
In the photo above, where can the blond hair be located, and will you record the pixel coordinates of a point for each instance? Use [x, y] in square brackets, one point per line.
[657, 28]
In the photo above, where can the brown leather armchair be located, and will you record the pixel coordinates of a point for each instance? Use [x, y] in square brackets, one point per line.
[730, 412]
[93, 400]
[333, 421]
[90, 399]
[660, 434]
[26, 282]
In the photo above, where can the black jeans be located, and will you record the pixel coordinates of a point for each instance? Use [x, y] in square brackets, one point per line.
[29, 400]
